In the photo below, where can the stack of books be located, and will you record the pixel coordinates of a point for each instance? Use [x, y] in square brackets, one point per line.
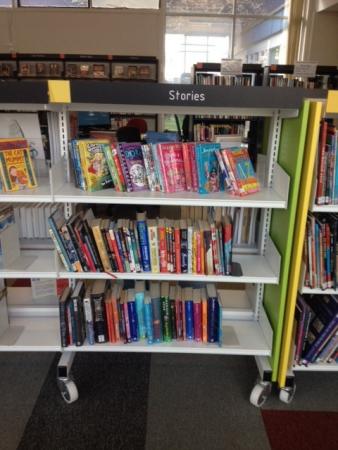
[321, 251]
[202, 167]
[317, 329]
[101, 311]
[327, 166]
[86, 243]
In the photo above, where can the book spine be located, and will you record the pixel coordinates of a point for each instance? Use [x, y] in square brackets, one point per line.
[124, 252]
[119, 170]
[114, 236]
[63, 324]
[130, 251]
[101, 248]
[77, 322]
[213, 319]
[194, 175]
[71, 323]
[173, 318]
[187, 168]
[163, 249]
[184, 250]
[157, 323]
[132, 314]
[112, 167]
[125, 171]
[204, 321]
[139, 300]
[115, 311]
[109, 316]
[148, 317]
[166, 319]
[149, 166]
[320, 197]
[110, 250]
[144, 244]
[100, 321]
[153, 244]
[198, 321]
[315, 348]
[214, 249]
[60, 250]
[92, 246]
[88, 314]
[135, 250]
[177, 250]
[127, 322]
[179, 319]
[190, 234]
[77, 247]
[189, 319]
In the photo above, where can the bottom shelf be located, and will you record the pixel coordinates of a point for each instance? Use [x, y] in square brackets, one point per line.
[240, 337]
[31, 334]
[318, 367]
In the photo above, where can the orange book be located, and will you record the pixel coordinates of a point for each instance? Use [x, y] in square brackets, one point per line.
[109, 315]
[162, 240]
[177, 246]
[116, 293]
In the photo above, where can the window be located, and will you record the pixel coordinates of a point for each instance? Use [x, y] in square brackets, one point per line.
[5, 3]
[141, 4]
[209, 30]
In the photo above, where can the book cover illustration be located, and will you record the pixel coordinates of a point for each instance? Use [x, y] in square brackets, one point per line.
[133, 159]
[94, 165]
[172, 166]
[207, 167]
[17, 171]
[243, 170]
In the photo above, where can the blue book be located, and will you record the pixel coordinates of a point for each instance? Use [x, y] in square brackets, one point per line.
[139, 300]
[54, 221]
[153, 137]
[143, 240]
[213, 313]
[188, 304]
[73, 150]
[132, 314]
[148, 319]
[208, 169]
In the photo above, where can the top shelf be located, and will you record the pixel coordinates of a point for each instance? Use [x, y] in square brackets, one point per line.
[158, 98]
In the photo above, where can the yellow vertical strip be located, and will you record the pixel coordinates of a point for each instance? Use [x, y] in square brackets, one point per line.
[332, 102]
[297, 251]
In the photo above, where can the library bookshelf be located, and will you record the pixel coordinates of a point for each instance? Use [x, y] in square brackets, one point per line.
[248, 327]
[286, 374]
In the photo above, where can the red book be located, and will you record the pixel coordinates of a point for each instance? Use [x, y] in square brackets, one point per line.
[198, 319]
[198, 252]
[187, 149]
[112, 242]
[214, 248]
[109, 315]
[320, 192]
[85, 251]
[193, 166]
[172, 167]
[118, 166]
[162, 241]
[177, 246]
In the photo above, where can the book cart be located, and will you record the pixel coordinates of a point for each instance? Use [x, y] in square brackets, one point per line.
[251, 324]
[306, 202]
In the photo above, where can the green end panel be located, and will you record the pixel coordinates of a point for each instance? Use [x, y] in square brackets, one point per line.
[290, 158]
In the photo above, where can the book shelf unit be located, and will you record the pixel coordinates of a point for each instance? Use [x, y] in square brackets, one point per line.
[245, 332]
[286, 376]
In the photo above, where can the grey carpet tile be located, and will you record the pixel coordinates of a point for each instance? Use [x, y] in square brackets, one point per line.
[110, 413]
[21, 378]
[199, 402]
[315, 391]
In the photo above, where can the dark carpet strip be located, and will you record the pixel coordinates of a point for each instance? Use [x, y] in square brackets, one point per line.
[111, 412]
[301, 430]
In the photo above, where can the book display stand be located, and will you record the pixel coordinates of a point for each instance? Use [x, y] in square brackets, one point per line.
[286, 377]
[251, 322]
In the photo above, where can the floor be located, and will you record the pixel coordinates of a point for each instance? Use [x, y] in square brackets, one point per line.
[159, 402]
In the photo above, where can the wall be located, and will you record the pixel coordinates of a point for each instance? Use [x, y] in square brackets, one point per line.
[119, 32]
[324, 42]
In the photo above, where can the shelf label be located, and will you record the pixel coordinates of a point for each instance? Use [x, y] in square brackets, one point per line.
[180, 95]
[304, 69]
[231, 67]
[59, 91]
[332, 102]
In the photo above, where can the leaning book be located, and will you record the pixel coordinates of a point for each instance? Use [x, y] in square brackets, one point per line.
[16, 168]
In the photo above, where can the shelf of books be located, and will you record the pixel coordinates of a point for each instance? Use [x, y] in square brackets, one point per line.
[149, 232]
[311, 325]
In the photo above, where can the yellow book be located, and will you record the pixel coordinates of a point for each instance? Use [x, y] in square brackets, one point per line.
[16, 168]
[96, 228]
[153, 245]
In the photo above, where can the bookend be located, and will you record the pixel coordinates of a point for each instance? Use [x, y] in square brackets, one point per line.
[10, 254]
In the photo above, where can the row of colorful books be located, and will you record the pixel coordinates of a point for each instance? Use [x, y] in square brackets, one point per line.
[316, 338]
[209, 132]
[99, 311]
[16, 167]
[210, 79]
[320, 251]
[86, 243]
[168, 167]
[327, 166]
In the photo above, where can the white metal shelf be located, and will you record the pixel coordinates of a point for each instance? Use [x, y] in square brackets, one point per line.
[308, 290]
[266, 198]
[32, 334]
[317, 367]
[42, 193]
[324, 208]
[240, 337]
[32, 264]
[255, 268]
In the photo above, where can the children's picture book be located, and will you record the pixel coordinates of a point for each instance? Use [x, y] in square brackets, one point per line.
[16, 168]
[133, 165]
[94, 165]
[207, 167]
[170, 157]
